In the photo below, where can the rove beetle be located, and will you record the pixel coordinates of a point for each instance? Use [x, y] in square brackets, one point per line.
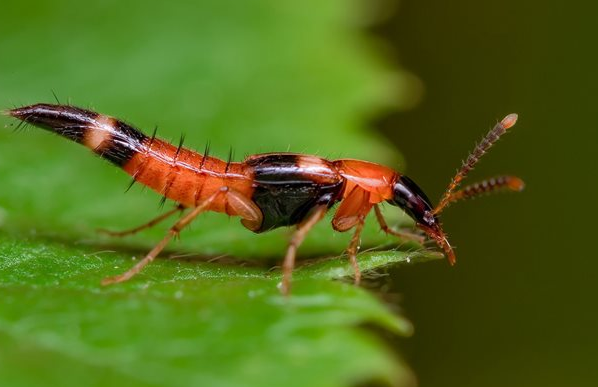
[265, 190]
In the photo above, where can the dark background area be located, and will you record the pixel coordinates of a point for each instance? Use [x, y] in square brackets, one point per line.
[519, 308]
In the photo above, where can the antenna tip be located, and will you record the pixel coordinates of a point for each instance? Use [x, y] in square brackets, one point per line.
[516, 184]
[509, 120]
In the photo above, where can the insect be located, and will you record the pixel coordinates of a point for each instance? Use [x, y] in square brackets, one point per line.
[266, 191]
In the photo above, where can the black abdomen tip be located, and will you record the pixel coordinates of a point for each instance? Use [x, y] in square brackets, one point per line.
[68, 121]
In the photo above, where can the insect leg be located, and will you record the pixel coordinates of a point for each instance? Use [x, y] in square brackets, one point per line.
[174, 231]
[239, 205]
[354, 248]
[347, 215]
[149, 224]
[404, 235]
[351, 213]
[298, 237]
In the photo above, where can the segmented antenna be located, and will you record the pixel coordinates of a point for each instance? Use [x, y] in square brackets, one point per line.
[510, 183]
[473, 158]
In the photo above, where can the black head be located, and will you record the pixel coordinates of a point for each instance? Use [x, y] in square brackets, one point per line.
[408, 196]
[413, 201]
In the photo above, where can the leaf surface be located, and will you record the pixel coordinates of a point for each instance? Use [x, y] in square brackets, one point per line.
[259, 76]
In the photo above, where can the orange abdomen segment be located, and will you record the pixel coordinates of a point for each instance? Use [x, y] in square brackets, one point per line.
[186, 176]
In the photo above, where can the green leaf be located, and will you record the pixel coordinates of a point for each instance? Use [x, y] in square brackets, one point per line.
[258, 76]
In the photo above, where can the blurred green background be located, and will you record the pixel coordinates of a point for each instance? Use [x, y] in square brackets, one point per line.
[519, 308]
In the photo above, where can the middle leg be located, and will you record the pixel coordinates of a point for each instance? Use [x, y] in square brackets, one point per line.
[296, 240]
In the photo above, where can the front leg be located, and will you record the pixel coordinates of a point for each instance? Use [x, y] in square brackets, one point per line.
[353, 249]
[352, 213]
[404, 235]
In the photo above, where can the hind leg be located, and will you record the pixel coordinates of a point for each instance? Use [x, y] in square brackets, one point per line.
[238, 205]
[174, 231]
[151, 223]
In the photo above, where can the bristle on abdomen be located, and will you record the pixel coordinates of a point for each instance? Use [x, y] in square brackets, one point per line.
[178, 173]
[108, 137]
